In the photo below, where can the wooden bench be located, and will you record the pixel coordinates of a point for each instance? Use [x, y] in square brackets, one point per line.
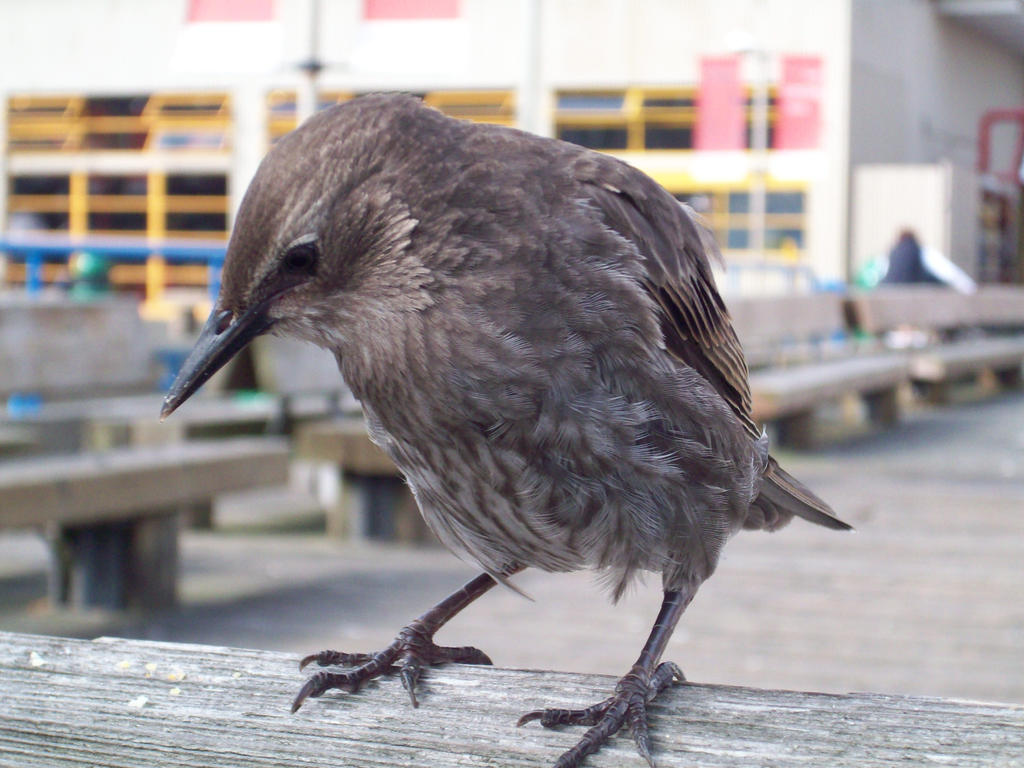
[51, 346]
[367, 496]
[802, 358]
[84, 375]
[136, 703]
[111, 517]
[300, 374]
[372, 500]
[109, 422]
[953, 337]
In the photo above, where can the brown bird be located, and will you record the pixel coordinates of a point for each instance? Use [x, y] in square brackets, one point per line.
[536, 338]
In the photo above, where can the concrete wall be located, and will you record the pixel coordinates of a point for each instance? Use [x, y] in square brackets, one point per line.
[920, 83]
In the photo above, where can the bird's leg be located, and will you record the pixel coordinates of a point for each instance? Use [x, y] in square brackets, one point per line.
[410, 651]
[628, 705]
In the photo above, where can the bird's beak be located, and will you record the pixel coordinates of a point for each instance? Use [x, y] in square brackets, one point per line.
[221, 338]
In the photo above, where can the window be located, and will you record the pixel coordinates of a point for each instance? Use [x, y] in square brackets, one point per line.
[39, 185]
[784, 202]
[119, 222]
[668, 137]
[595, 138]
[633, 119]
[480, 106]
[38, 203]
[120, 123]
[197, 184]
[728, 213]
[641, 118]
[483, 106]
[196, 205]
[117, 185]
[595, 119]
[739, 202]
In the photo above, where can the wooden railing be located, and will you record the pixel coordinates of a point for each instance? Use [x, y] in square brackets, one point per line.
[137, 703]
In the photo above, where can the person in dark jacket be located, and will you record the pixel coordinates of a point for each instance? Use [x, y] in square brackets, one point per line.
[907, 264]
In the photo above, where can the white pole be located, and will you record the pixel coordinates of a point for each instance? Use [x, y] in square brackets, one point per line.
[529, 115]
[307, 98]
[758, 188]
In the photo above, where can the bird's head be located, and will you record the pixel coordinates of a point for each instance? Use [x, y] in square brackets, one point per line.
[321, 233]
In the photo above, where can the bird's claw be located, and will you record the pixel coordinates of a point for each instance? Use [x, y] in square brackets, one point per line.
[335, 659]
[410, 652]
[628, 706]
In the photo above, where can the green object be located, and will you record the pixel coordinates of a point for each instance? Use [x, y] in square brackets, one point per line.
[871, 274]
[253, 398]
[90, 275]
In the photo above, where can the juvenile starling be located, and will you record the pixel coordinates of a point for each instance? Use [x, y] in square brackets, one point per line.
[536, 338]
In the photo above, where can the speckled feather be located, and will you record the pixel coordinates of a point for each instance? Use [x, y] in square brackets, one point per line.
[535, 335]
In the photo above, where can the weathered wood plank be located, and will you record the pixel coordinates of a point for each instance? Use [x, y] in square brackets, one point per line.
[128, 703]
[373, 499]
[122, 484]
[949, 361]
[770, 321]
[782, 391]
[106, 422]
[343, 441]
[922, 306]
[999, 306]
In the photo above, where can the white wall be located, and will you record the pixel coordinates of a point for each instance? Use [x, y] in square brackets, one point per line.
[920, 83]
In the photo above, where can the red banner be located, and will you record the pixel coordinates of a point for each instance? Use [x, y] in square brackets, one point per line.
[721, 123]
[410, 9]
[799, 107]
[230, 10]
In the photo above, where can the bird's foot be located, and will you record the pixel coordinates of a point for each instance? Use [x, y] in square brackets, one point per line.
[627, 706]
[409, 653]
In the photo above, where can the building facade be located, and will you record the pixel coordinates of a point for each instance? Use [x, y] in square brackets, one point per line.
[149, 119]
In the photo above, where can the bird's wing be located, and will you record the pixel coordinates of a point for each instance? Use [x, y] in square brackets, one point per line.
[695, 321]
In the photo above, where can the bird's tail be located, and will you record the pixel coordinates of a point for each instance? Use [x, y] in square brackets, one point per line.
[783, 496]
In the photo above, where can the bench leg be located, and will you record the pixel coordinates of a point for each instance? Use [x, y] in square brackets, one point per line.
[199, 515]
[87, 566]
[369, 507]
[116, 565]
[1010, 378]
[934, 392]
[796, 430]
[883, 406]
[153, 563]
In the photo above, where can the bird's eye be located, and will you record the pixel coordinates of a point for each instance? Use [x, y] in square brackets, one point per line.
[300, 260]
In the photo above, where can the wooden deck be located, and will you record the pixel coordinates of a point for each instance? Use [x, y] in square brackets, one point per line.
[132, 703]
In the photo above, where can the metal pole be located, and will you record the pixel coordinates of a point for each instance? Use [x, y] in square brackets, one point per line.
[33, 272]
[528, 96]
[306, 101]
[759, 145]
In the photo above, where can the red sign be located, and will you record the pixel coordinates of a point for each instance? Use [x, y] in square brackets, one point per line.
[230, 10]
[799, 108]
[721, 123]
[410, 9]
